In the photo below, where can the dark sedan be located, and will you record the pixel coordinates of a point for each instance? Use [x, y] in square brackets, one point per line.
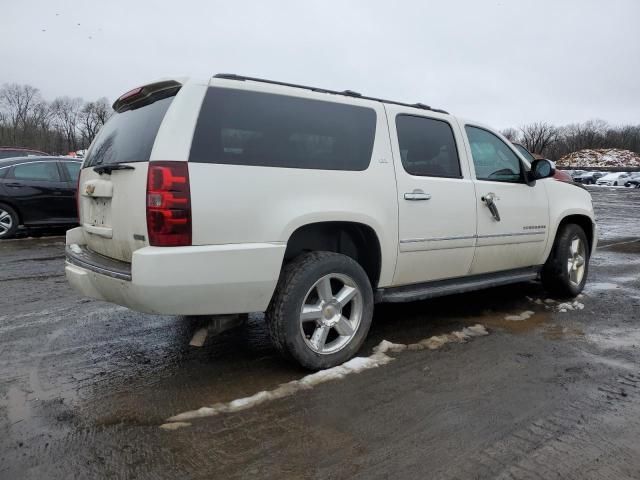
[37, 192]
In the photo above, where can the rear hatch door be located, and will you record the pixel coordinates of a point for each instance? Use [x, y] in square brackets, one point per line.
[112, 183]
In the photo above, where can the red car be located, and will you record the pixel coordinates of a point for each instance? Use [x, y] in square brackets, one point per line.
[9, 152]
[559, 175]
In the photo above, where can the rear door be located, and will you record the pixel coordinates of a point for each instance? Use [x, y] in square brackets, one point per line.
[437, 208]
[512, 233]
[36, 189]
[112, 187]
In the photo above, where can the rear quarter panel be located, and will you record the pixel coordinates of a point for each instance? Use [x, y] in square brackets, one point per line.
[248, 204]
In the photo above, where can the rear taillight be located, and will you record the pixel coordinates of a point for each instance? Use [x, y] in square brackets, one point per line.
[168, 204]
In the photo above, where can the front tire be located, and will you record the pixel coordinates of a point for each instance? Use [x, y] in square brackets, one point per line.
[565, 272]
[8, 221]
[321, 310]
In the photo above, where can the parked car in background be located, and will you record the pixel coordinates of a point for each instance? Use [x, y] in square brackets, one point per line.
[613, 179]
[10, 152]
[588, 178]
[37, 192]
[234, 195]
[558, 175]
[633, 180]
[576, 173]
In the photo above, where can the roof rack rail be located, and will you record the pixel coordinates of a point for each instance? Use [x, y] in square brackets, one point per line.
[346, 93]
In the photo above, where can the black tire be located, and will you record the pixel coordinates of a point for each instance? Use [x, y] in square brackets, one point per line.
[10, 216]
[556, 276]
[296, 282]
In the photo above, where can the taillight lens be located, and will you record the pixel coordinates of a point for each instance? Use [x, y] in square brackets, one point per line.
[168, 204]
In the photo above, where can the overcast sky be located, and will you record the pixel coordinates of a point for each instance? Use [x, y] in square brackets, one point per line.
[503, 62]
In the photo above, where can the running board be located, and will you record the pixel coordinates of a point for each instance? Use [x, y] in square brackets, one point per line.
[439, 288]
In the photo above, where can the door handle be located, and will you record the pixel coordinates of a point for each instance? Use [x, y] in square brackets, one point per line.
[417, 195]
[13, 184]
[489, 200]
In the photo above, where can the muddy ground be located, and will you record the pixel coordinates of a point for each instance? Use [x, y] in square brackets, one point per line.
[85, 385]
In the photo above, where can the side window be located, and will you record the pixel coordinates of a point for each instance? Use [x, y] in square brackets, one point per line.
[492, 158]
[73, 169]
[39, 171]
[238, 127]
[427, 147]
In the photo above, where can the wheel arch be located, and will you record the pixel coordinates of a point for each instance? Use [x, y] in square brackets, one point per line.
[353, 239]
[15, 209]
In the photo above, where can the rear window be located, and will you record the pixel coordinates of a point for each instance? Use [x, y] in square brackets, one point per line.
[240, 127]
[128, 136]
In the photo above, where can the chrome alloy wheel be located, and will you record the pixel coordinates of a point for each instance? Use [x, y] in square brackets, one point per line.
[328, 321]
[577, 261]
[6, 222]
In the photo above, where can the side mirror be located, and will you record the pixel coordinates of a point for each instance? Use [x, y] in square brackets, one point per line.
[541, 169]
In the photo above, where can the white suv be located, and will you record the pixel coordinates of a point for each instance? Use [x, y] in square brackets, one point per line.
[239, 195]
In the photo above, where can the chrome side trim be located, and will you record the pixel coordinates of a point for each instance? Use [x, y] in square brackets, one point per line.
[437, 239]
[518, 234]
[467, 237]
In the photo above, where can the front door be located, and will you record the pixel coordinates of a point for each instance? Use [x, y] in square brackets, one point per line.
[513, 217]
[437, 211]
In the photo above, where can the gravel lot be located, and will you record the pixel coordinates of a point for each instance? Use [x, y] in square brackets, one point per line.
[85, 386]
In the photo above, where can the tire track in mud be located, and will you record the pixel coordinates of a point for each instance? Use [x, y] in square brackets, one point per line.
[584, 440]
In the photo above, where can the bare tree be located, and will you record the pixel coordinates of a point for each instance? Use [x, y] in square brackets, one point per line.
[19, 103]
[511, 134]
[66, 114]
[92, 117]
[537, 137]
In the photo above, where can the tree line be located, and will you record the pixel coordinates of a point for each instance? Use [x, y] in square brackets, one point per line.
[68, 124]
[60, 126]
[555, 142]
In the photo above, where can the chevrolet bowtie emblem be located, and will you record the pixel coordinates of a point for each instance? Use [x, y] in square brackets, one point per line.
[89, 189]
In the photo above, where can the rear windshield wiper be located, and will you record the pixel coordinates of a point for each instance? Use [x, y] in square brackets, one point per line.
[100, 169]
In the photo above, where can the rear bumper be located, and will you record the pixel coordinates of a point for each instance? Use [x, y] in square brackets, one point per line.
[197, 280]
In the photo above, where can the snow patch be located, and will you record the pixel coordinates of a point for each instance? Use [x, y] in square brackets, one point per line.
[565, 307]
[519, 318]
[75, 248]
[378, 358]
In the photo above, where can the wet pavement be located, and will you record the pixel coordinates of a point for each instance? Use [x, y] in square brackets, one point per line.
[553, 390]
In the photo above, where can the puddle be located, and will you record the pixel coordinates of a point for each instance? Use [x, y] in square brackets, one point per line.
[518, 323]
[595, 286]
[560, 332]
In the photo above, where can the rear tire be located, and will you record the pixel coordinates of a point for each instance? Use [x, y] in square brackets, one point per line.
[8, 221]
[321, 310]
[565, 272]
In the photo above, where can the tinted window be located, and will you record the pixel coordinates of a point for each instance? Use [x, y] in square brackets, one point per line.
[41, 171]
[427, 147]
[492, 158]
[128, 136]
[250, 128]
[525, 153]
[73, 169]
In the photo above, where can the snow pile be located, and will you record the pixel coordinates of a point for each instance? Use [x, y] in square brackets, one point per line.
[355, 365]
[551, 304]
[600, 157]
[519, 318]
